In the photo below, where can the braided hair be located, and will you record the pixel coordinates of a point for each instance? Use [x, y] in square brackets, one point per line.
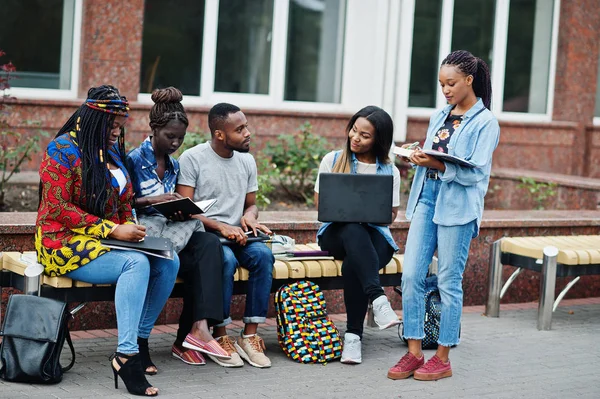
[92, 124]
[167, 107]
[468, 64]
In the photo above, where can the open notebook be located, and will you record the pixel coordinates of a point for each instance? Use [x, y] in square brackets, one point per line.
[184, 205]
[403, 152]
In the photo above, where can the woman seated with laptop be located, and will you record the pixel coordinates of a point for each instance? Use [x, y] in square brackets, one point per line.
[364, 247]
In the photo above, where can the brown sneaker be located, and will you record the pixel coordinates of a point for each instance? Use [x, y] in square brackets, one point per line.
[227, 344]
[433, 370]
[406, 366]
[252, 349]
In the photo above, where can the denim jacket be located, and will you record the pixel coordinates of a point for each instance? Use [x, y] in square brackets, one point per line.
[142, 165]
[460, 199]
[382, 169]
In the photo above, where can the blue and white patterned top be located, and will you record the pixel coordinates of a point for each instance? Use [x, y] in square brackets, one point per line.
[142, 166]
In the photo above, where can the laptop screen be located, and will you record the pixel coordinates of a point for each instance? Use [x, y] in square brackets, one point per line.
[355, 198]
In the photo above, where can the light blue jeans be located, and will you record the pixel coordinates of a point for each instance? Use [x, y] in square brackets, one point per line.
[144, 284]
[258, 259]
[452, 244]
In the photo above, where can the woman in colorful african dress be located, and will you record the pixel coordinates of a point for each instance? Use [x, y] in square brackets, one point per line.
[85, 196]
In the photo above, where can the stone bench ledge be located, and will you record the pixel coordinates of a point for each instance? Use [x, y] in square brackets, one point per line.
[24, 222]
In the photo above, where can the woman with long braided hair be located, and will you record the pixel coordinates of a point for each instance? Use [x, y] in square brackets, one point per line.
[154, 174]
[445, 208]
[86, 196]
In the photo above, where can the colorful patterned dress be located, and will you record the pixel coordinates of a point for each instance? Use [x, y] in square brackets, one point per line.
[67, 237]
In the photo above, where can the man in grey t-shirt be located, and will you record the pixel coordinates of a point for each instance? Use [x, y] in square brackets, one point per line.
[224, 170]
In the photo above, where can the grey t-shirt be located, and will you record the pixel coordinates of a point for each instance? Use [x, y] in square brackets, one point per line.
[228, 180]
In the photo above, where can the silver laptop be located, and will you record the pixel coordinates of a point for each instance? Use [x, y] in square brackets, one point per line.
[355, 198]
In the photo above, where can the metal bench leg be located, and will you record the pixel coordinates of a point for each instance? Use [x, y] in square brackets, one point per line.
[492, 305]
[371, 316]
[510, 281]
[547, 286]
[564, 292]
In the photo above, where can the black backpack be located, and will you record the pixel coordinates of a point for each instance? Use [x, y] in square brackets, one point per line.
[433, 314]
[34, 332]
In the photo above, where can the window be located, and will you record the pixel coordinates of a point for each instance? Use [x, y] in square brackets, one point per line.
[511, 36]
[314, 50]
[258, 53]
[172, 45]
[473, 27]
[243, 58]
[528, 56]
[37, 36]
[425, 53]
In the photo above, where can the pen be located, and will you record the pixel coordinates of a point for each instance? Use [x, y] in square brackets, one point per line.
[413, 145]
[134, 214]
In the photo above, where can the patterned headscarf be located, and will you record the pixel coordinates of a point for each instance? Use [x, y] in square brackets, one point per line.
[117, 107]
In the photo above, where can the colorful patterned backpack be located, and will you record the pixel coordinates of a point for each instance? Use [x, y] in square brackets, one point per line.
[304, 331]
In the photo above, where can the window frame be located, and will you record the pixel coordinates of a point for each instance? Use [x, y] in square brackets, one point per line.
[500, 37]
[275, 99]
[61, 94]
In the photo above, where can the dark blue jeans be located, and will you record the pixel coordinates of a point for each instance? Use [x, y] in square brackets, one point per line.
[258, 259]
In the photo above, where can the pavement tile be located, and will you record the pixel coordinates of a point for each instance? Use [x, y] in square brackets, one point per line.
[503, 357]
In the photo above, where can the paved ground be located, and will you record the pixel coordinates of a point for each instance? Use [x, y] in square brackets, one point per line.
[497, 358]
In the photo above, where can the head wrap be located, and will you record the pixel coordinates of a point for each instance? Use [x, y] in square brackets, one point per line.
[117, 107]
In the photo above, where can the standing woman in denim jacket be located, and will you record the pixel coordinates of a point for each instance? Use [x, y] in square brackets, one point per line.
[445, 208]
[364, 248]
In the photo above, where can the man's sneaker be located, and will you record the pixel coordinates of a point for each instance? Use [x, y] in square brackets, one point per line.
[352, 349]
[227, 344]
[384, 315]
[433, 370]
[406, 366]
[252, 349]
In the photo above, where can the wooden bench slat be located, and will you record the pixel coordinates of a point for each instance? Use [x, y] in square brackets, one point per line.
[328, 268]
[243, 273]
[280, 270]
[12, 262]
[312, 268]
[57, 282]
[296, 269]
[573, 250]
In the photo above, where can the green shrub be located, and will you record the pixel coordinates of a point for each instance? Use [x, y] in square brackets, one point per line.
[15, 147]
[539, 192]
[296, 160]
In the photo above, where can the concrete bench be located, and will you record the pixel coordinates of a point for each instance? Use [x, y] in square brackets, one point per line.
[325, 271]
[557, 256]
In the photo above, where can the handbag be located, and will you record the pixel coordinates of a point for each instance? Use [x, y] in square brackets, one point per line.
[33, 335]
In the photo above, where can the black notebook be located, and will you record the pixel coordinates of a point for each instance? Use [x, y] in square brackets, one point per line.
[154, 246]
[184, 205]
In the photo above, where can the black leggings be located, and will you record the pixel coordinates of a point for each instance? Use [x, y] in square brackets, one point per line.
[364, 251]
[202, 272]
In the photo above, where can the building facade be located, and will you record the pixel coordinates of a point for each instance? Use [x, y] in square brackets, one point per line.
[289, 61]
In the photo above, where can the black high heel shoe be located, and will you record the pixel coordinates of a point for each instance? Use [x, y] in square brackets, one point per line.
[131, 373]
[145, 356]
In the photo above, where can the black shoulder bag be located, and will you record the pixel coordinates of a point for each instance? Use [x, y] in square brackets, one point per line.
[34, 333]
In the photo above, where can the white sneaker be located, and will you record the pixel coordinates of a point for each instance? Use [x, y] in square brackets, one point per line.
[384, 315]
[352, 349]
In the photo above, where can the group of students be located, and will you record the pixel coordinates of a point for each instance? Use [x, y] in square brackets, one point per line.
[90, 190]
